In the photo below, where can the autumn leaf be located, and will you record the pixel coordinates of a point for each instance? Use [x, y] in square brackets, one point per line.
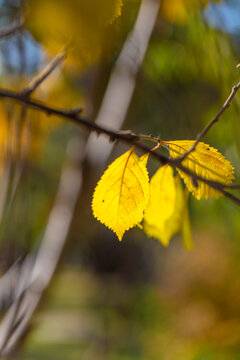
[167, 215]
[181, 216]
[161, 205]
[204, 161]
[178, 221]
[122, 194]
[144, 159]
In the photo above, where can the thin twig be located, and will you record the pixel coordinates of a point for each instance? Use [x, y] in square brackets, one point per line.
[33, 85]
[11, 30]
[212, 122]
[26, 92]
[37, 81]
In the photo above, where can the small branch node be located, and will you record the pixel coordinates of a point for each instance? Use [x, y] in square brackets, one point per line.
[128, 134]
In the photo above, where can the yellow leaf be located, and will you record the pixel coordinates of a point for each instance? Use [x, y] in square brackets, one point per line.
[161, 204]
[180, 221]
[204, 161]
[162, 227]
[144, 158]
[175, 222]
[122, 194]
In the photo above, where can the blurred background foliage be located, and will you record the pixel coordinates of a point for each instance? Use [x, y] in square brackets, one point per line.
[135, 299]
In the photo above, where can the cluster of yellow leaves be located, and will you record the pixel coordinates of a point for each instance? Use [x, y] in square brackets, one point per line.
[82, 23]
[124, 197]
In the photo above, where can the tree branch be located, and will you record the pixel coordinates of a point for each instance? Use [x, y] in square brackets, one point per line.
[37, 81]
[127, 137]
[26, 92]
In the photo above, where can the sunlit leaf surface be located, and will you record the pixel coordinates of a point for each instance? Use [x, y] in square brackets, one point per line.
[122, 194]
[204, 161]
[161, 205]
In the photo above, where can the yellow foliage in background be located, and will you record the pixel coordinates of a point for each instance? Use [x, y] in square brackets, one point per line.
[4, 134]
[177, 11]
[79, 24]
[14, 139]
[22, 139]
